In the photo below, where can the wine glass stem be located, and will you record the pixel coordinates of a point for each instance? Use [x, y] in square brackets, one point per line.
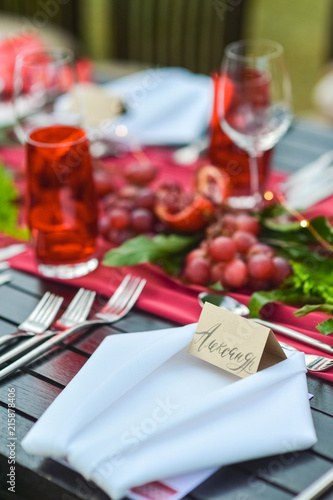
[254, 177]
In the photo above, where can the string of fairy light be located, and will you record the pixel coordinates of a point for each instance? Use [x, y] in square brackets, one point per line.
[303, 222]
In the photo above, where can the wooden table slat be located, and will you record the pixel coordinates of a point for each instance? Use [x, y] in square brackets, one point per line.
[293, 470]
[230, 483]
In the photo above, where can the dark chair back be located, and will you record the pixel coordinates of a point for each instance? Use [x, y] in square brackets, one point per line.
[186, 33]
[39, 14]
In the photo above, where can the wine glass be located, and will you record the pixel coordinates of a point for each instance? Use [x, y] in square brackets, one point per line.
[256, 104]
[43, 81]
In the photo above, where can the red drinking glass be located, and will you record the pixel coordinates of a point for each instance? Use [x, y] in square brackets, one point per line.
[61, 201]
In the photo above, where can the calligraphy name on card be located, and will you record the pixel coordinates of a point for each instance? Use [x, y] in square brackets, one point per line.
[235, 344]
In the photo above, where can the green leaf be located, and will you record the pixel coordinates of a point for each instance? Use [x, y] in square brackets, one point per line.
[217, 286]
[9, 207]
[308, 308]
[172, 264]
[287, 227]
[260, 299]
[323, 227]
[273, 211]
[142, 249]
[325, 327]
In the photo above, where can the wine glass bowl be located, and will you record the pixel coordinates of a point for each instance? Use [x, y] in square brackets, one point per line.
[256, 101]
[41, 79]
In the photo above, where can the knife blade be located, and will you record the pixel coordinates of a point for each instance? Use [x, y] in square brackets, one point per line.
[12, 250]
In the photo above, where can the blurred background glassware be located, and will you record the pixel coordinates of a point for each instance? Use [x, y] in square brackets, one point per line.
[41, 79]
[61, 201]
[226, 155]
[256, 102]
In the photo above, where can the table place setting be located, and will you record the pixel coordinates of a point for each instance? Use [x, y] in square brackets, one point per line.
[164, 295]
[189, 414]
[188, 207]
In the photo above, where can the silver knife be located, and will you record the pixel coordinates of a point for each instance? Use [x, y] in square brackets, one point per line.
[8, 252]
[317, 488]
[5, 278]
[293, 334]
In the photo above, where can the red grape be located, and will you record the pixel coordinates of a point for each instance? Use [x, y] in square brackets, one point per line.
[262, 249]
[145, 198]
[282, 269]
[118, 236]
[197, 252]
[119, 218]
[222, 248]
[142, 220]
[104, 226]
[140, 174]
[260, 266]
[248, 223]
[104, 183]
[129, 191]
[229, 225]
[125, 203]
[110, 201]
[243, 240]
[235, 273]
[197, 271]
[217, 273]
[257, 284]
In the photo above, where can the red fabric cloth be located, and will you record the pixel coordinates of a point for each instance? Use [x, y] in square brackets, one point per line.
[163, 295]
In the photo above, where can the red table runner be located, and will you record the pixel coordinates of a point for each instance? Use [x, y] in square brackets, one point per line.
[163, 295]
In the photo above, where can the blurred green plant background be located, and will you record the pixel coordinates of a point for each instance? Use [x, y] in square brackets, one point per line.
[303, 28]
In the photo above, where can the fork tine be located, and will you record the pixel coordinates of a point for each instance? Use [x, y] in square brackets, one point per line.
[51, 310]
[38, 307]
[119, 291]
[122, 299]
[73, 303]
[47, 307]
[135, 295]
[82, 309]
[89, 302]
[128, 298]
[78, 309]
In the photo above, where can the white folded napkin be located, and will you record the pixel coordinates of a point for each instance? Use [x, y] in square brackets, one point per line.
[311, 183]
[143, 409]
[164, 106]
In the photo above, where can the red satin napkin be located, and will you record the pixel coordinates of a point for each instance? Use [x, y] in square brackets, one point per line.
[168, 297]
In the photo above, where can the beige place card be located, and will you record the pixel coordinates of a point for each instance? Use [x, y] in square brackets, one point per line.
[233, 343]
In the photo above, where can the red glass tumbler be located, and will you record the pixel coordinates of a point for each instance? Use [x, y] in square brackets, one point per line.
[61, 202]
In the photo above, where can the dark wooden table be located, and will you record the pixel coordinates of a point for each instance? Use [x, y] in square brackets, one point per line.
[273, 478]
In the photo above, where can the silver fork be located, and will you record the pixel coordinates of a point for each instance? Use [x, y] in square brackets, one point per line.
[38, 320]
[76, 312]
[116, 308]
[313, 362]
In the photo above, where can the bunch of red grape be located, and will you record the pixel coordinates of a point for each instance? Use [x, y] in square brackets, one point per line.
[128, 210]
[232, 255]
